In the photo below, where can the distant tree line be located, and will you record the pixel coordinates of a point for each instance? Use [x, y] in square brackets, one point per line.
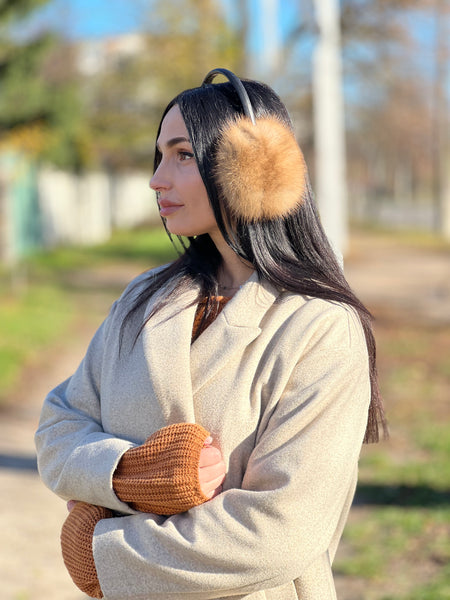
[396, 58]
[108, 119]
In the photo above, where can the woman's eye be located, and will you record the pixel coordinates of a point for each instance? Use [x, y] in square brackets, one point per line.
[183, 155]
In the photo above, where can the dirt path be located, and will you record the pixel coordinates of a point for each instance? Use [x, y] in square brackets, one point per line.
[399, 282]
[31, 567]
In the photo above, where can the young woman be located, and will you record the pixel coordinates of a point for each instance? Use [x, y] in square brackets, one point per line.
[209, 440]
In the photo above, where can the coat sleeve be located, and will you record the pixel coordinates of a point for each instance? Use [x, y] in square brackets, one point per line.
[76, 458]
[297, 483]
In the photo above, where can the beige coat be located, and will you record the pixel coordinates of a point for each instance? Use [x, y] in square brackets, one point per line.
[281, 382]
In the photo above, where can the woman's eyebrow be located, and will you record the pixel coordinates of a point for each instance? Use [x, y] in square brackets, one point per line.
[173, 142]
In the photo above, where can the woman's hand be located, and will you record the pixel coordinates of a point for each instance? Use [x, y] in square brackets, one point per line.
[162, 475]
[211, 470]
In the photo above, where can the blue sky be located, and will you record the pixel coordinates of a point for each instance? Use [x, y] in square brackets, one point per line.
[93, 18]
[96, 18]
[90, 18]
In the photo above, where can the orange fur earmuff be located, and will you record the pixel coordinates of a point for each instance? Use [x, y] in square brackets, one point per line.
[260, 169]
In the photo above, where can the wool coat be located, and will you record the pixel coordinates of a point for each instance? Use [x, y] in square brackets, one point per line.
[282, 383]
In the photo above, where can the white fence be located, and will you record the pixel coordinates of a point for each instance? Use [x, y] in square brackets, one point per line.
[84, 209]
[47, 208]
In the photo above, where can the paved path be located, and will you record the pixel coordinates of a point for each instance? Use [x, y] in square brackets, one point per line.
[406, 282]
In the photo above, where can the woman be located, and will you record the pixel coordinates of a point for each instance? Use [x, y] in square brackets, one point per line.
[249, 355]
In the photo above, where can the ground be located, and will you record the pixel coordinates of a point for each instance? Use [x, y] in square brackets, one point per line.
[398, 283]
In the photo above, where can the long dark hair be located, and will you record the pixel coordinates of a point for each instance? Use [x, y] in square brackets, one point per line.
[292, 252]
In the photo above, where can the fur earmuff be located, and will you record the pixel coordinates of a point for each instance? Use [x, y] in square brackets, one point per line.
[260, 169]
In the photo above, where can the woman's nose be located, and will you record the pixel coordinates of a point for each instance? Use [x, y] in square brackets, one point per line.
[159, 181]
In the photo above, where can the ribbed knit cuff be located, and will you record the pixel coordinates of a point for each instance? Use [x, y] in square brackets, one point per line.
[76, 545]
[161, 476]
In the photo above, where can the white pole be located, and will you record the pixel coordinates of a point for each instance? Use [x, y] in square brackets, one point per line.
[329, 126]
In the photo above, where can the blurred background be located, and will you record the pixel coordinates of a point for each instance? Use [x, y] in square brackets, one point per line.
[82, 87]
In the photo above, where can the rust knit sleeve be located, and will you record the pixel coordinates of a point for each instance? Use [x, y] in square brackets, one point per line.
[161, 476]
[76, 545]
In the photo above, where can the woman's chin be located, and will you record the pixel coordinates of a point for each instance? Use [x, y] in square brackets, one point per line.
[183, 230]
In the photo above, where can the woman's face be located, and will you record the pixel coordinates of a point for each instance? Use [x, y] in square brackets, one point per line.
[183, 200]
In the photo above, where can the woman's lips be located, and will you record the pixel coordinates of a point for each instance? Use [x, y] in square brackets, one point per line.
[167, 208]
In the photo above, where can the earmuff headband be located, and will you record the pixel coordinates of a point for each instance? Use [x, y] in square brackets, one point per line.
[259, 168]
[238, 86]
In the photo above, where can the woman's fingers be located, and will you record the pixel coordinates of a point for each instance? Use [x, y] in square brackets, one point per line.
[209, 456]
[211, 477]
[212, 488]
[211, 471]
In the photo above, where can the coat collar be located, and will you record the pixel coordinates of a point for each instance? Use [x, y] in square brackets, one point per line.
[178, 369]
[235, 328]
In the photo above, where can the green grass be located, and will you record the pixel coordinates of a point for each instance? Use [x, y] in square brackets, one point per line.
[29, 321]
[386, 533]
[436, 590]
[423, 460]
[148, 247]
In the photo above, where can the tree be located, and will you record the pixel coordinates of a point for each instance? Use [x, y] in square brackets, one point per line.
[399, 114]
[181, 42]
[39, 108]
[12, 10]
[395, 82]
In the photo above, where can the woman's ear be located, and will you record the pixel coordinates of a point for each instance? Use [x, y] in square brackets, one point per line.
[260, 169]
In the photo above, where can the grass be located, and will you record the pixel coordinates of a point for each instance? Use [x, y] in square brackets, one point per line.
[29, 321]
[38, 307]
[144, 246]
[397, 542]
[439, 589]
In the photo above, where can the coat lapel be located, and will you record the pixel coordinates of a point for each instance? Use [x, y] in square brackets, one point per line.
[167, 347]
[235, 328]
[177, 369]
